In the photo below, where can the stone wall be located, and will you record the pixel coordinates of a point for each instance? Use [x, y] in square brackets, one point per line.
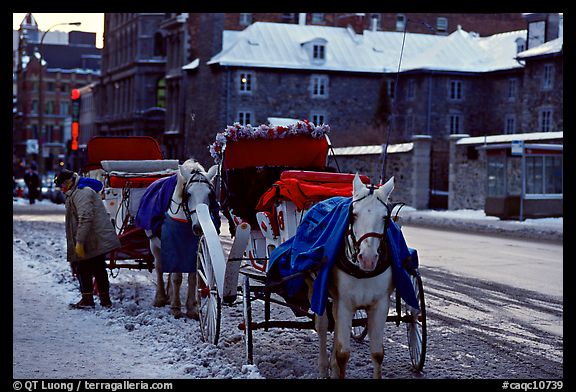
[409, 165]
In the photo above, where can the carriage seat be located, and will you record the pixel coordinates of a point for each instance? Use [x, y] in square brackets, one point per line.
[305, 188]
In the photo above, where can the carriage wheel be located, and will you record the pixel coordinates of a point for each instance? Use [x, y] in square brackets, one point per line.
[247, 307]
[359, 332]
[209, 304]
[416, 326]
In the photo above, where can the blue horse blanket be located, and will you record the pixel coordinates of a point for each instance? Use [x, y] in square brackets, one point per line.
[154, 203]
[316, 245]
[179, 244]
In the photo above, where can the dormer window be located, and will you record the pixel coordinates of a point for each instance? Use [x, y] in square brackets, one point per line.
[316, 49]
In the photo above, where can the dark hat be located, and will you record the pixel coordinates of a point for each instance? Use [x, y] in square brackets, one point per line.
[63, 176]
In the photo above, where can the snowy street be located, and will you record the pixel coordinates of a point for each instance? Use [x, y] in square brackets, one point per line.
[495, 311]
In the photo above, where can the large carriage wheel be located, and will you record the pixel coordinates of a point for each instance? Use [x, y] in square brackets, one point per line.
[247, 310]
[416, 325]
[359, 331]
[209, 304]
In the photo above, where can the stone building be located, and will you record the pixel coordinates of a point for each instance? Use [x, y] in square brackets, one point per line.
[131, 93]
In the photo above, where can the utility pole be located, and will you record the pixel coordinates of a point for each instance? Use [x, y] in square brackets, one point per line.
[41, 106]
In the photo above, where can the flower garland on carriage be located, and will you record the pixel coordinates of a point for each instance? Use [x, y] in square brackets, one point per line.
[237, 132]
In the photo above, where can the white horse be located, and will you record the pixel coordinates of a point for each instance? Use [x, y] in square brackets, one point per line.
[193, 187]
[370, 290]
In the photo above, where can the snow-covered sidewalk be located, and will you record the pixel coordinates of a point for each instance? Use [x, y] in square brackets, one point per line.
[549, 229]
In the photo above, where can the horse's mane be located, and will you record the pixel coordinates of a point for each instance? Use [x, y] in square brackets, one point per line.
[192, 165]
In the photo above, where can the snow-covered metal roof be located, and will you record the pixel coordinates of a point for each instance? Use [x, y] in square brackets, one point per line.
[282, 45]
[512, 137]
[547, 48]
[375, 149]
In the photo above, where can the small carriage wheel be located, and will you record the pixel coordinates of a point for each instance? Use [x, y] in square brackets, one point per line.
[416, 325]
[247, 309]
[209, 304]
[359, 331]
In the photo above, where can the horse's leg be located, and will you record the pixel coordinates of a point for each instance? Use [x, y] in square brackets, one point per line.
[321, 324]
[341, 351]
[160, 299]
[377, 315]
[191, 304]
[175, 294]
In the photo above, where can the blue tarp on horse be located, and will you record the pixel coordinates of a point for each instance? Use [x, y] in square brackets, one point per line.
[154, 203]
[317, 243]
[179, 243]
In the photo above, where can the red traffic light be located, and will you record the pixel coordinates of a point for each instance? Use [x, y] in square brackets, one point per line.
[75, 94]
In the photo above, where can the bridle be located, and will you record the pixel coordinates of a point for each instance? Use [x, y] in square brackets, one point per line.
[349, 263]
[185, 195]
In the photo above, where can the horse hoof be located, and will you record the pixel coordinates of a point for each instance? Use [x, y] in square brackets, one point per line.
[160, 303]
[177, 313]
[193, 315]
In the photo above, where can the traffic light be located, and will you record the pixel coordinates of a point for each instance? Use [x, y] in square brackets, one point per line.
[75, 96]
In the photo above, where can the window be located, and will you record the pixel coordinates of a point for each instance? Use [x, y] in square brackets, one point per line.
[455, 92]
[512, 89]
[545, 120]
[496, 171]
[391, 88]
[400, 22]
[548, 79]
[161, 93]
[510, 124]
[319, 85]
[318, 118]
[245, 19]
[50, 86]
[455, 123]
[544, 174]
[442, 25]
[245, 117]
[317, 17]
[64, 108]
[245, 82]
[409, 124]
[64, 87]
[411, 89]
[318, 52]
[34, 107]
[49, 107]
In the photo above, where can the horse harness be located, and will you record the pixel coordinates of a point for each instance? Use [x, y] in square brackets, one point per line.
[185, 195]
[350, 265]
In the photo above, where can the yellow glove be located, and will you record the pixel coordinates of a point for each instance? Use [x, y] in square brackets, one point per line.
[80, 249]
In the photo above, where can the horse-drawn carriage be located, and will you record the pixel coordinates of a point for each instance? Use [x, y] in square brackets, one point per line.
[127, 166]
[269, 179]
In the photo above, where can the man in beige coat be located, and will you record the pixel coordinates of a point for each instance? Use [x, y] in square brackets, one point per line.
[90, 235]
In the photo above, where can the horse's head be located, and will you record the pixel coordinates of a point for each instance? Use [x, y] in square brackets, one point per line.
[369, 213]
[196, 188]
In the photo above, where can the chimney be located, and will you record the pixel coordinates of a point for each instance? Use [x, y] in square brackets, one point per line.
[301, 18]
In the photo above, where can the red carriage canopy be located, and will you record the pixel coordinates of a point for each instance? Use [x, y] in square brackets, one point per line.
[121, 148]
[296, 151]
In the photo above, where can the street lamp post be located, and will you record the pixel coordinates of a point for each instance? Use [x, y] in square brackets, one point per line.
[41, 107]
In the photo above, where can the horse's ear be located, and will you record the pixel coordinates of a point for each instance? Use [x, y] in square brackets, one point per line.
[358, 187]
[212, 172]
[386, 189]
[182, 171]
